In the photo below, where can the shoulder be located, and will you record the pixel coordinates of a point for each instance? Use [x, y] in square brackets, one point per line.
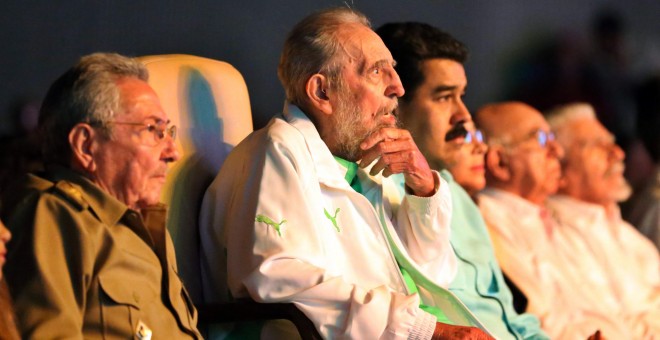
[34, 197]
[283, 137]
[278, 139]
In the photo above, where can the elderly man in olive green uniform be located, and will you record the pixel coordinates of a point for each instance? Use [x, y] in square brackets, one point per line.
[91, 257]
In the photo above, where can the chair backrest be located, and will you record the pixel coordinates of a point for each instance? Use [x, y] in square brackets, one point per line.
[208, 101]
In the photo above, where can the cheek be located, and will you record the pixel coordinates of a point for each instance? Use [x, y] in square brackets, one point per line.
[477, 159]
[532, 169]
[144, 168]
[465, 163]
[594, 162]
[436, 132]
[447, 152]
[137, 177]
[437, 120]
[370, 103]
[594, 167]
[467, 178]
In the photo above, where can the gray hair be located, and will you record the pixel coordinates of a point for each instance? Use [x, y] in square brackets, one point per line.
[86, 93]
[313, 47]
[561, 116]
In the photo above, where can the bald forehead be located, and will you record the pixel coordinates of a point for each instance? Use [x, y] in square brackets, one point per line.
[510, 119]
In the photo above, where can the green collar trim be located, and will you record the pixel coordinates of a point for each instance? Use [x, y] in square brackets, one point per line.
[351, 173]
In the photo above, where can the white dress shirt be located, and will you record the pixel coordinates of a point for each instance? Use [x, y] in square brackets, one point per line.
[628, 260]
[549, 265]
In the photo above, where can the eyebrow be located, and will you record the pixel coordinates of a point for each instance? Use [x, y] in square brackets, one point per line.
[382, 62]
[158, 120]
[444, 88]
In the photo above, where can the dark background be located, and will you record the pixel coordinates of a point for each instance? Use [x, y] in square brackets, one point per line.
[40, 39]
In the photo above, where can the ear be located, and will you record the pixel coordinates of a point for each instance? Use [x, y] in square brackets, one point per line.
[317, 93]
[497, 163]
[81, 141]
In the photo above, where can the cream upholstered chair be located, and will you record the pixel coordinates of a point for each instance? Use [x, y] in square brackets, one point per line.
[208, 101]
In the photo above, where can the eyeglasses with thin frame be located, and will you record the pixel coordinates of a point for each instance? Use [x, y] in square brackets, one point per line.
[542, 137]
[156, 132]
[475, 136]
[459, 131]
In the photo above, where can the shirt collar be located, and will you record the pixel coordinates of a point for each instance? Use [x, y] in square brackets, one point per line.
[351, 168]
[351, 176]
[328, 170]
[573, 211]
[515, 203]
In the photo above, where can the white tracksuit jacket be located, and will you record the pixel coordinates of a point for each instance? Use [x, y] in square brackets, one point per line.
[281, 224]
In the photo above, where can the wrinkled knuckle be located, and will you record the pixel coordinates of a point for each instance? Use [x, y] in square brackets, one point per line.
[410, 155]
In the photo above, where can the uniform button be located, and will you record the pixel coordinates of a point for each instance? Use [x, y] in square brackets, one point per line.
[133, 218]
[136, 296]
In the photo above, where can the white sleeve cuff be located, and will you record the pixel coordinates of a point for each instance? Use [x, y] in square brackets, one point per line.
[441, 197]
[424, 326]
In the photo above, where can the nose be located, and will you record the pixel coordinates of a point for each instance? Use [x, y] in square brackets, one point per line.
[555, 149]
[395, 87]
[461, 113]
[5, 234]
[170, 152]
[617, 153]
[480, 148]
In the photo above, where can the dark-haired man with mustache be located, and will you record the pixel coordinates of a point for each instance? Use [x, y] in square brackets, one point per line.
[430, 63]
[302, 210]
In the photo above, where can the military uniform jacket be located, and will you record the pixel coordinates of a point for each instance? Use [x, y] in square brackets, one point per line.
[83, 265]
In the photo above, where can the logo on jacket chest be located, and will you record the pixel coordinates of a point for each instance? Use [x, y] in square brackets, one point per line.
[333, 218]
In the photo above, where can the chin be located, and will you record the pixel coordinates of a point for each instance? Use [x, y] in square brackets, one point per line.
[475, 188]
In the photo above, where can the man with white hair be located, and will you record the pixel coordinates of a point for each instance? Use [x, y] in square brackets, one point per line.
[592, 184]
[522, 170]
[301, 210]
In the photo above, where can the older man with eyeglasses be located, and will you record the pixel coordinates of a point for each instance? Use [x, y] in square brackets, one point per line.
[625, 276]
[91, 256]
[546, 262]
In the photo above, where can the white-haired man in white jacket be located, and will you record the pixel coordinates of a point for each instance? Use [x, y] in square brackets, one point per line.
[305, 210]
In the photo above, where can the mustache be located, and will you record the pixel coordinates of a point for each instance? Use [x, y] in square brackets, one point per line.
[457, 131]
[390, 108]
[615, 168]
